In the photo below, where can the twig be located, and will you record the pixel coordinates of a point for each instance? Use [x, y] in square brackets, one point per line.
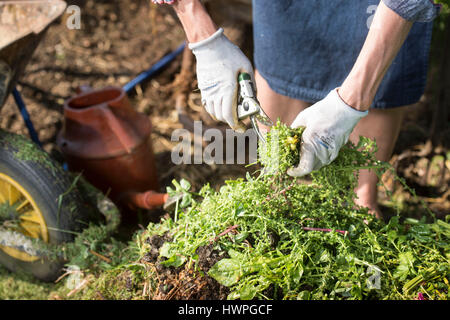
[228, 230]
[172, 293]
[144, 291]
[108, 260]
[248, 243]
[62, 276]
[200, 287]
[79, 287]
[282, 192]
[100, 296]
[68, 272]
[325, 230]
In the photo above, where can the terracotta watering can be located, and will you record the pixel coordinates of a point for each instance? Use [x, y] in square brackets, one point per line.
[109, 142]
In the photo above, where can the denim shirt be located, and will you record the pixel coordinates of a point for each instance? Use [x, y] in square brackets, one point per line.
[414, 10]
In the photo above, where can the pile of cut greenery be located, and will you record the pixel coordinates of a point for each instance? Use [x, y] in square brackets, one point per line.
[279, 238]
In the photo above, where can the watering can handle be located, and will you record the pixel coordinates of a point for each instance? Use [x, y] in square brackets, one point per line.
[118, 130]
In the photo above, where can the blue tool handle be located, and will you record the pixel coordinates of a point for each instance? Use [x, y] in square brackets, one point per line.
[154, 69]
[26, 117]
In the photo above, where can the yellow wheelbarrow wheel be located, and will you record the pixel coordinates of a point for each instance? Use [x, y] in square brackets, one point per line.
[39, 200]
[18, 203]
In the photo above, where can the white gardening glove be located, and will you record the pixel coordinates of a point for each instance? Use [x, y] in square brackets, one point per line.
[219, 63]
[328, 123]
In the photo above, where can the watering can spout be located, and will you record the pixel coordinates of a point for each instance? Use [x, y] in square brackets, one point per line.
[146, 200]
[152, 200]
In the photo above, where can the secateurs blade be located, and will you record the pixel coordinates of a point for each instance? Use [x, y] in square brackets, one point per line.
[249, 106]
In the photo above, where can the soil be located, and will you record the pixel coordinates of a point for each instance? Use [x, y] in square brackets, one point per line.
[184, 283]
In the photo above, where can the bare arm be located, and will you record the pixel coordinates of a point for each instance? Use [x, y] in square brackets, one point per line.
[219, 62]
[386, 36]
[196, 22]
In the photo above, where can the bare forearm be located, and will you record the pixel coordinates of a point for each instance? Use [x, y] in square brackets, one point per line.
[196, 21]
[386, 36]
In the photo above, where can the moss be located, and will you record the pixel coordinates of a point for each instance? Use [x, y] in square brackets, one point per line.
[22, 286]
[8, 217]
[7, 212]
[120, 284]
[26, 150]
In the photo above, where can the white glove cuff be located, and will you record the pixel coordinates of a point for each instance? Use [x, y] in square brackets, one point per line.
[349, 111]
[206, 41]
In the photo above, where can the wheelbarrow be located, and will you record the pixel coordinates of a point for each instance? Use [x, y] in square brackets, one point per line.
[37, 197]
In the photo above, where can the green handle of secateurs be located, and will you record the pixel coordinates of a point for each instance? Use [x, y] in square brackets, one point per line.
[247, 89]
[244, 76]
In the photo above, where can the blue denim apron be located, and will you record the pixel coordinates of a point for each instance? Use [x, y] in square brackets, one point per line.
[304, 49]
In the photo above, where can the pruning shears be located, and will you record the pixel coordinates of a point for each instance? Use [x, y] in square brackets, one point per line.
[248, 105]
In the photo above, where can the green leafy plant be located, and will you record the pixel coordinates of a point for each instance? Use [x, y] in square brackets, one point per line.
[286, 239]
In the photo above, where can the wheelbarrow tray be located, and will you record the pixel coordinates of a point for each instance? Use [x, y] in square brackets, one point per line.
[22, 26]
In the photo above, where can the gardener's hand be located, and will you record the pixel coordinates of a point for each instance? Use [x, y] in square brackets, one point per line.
[328, 124]
[219, 63]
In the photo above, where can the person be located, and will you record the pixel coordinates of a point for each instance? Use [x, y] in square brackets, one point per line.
[343, 69]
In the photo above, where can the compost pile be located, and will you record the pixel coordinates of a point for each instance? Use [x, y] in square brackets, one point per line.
[273, 237]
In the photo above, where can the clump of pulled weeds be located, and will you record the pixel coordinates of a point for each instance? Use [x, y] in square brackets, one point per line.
[276, 237]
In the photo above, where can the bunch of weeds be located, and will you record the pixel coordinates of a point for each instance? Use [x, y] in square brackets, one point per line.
[285, 239]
